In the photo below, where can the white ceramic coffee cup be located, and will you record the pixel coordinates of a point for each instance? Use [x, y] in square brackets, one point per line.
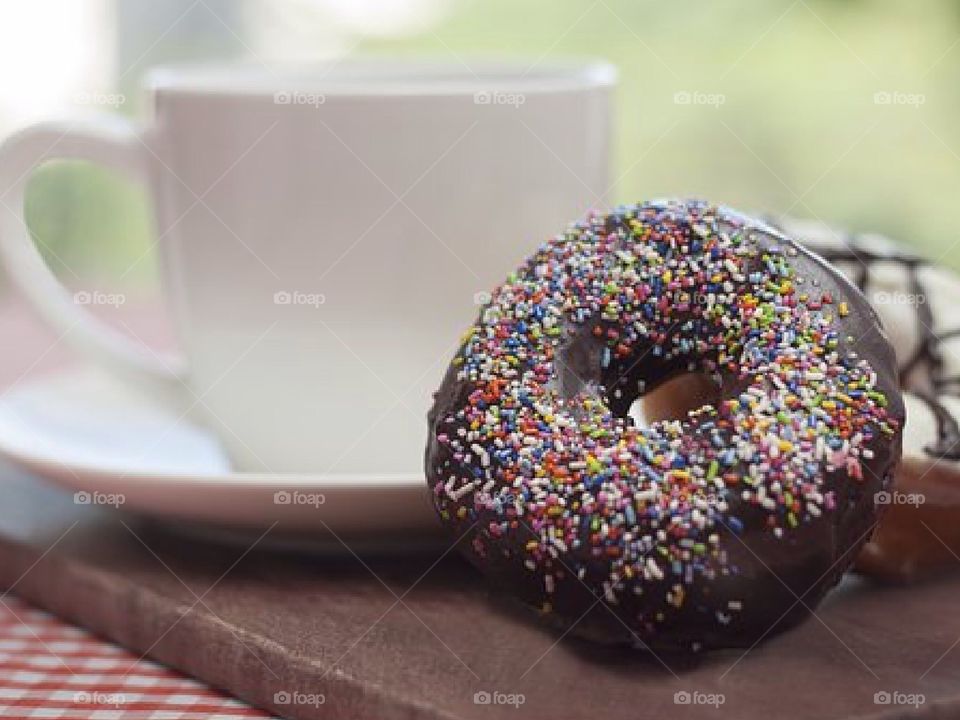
[325, 237]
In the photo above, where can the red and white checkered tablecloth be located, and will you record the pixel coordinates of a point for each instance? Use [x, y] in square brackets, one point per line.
[49, 669]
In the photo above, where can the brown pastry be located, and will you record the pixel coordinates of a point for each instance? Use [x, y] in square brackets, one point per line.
[689, 533]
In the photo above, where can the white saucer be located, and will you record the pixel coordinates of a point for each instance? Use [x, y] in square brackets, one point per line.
[90, 435]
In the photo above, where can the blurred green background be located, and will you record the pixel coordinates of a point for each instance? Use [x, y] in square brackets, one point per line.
[843, 110]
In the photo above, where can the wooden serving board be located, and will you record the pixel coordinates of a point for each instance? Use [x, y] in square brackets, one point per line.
[418, 636]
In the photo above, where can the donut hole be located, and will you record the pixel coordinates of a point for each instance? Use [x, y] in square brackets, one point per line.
[675, 398]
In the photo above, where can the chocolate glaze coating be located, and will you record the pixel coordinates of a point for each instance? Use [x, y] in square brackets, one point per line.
[704, 533]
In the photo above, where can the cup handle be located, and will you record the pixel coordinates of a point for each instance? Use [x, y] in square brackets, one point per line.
[114, 142]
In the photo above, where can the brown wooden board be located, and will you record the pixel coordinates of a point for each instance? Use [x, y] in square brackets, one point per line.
[418, 635]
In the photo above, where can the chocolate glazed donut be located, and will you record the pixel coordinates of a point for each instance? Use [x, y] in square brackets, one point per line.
[710, 530]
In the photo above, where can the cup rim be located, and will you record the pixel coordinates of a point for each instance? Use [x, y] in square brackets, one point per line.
[382, 76]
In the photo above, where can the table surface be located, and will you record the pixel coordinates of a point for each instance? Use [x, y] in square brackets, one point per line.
[353, 634]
